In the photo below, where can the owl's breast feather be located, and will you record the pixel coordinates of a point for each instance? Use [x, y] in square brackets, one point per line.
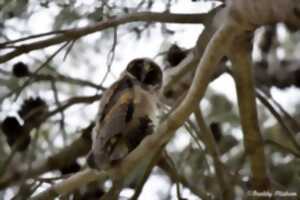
[144, 103]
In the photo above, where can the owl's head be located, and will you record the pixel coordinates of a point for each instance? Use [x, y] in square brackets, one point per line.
[146, 71]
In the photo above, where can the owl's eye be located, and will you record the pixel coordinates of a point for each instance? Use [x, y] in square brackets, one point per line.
[136, 69]
[153, 77]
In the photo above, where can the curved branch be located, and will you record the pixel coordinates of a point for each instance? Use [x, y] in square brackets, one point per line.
[289, 133]
[69, 184]
[75, 33]
[72, 101]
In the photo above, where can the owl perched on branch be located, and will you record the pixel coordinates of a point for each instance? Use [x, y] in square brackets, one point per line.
[126, 114]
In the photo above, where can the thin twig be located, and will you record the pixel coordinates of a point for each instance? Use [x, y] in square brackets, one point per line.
[110, 56]
[63, 78]
[287, 130]
[62, 114]
[212, 148]
[69, 49]
[295, 124]
[177, 175]
[73, 101]
[68, 154]
[29, 80]
[4, 44]
[284, 148]
[146, 173]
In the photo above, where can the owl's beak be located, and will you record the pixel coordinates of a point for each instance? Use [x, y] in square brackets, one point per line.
[147, 68]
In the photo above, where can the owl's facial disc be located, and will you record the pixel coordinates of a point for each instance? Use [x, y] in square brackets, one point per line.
[146, 71]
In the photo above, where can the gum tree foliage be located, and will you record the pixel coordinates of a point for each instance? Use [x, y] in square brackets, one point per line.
[57, 57]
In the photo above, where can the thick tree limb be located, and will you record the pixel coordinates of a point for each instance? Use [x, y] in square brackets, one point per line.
[256, 13]
[71, 183]
[253, 142]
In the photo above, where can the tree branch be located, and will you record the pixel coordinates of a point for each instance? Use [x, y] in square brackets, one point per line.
[253, 142]
[75, 33]
[210, 143]
[67, 155]
[189, 63]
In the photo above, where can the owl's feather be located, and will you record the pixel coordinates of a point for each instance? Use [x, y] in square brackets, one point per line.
[110, 143]
[111, 96]
[124, 119]
[117, 133]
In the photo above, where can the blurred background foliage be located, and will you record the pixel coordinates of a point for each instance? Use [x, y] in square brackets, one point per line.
[50, 101]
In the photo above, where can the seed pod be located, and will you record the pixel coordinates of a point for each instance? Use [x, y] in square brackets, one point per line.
[20, 69]
[32, 109]
[11, 126]
[175, 55]
[15, 133]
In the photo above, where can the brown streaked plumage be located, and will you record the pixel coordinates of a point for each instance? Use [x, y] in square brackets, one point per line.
[126, 113]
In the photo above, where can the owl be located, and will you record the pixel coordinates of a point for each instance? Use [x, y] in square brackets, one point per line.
[127, 113]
